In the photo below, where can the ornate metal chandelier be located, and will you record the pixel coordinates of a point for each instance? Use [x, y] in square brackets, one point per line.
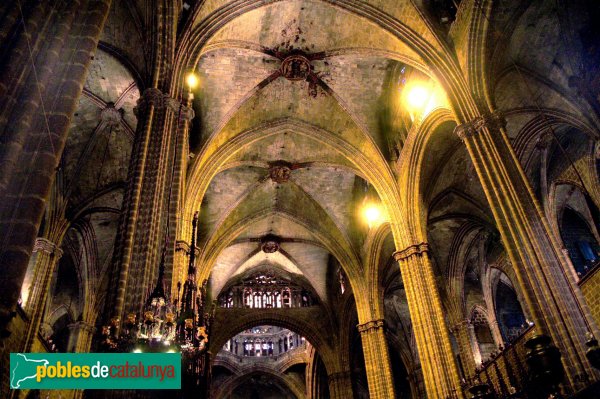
[182, 326]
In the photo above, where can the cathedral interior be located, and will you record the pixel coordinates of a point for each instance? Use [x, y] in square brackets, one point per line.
[322, 198]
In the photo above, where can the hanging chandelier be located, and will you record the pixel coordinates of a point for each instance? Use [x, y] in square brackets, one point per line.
[182, 326]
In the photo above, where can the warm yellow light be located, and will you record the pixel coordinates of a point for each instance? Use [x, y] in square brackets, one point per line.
[422, 97]
[417, 97]
[192, 81]
[372, 214]
[137, 350]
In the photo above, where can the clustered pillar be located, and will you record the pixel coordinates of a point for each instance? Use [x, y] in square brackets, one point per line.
[462, 331]
[47, 256]
[340, 385]
[431, 334]
[555, 303]
[377, 361]
[39, 92]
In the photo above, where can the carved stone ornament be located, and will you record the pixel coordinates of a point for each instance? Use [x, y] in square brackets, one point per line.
[184, 112]
[270, 244]
[280, 172]
[295, 67]
[493, 121]
[369, 326]
[417, 249]
[111, 116]
[151, 96]
[44, 245]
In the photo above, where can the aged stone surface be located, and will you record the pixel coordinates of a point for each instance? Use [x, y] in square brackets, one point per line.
[467, 137]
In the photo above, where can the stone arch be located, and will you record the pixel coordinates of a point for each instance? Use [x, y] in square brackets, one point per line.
[375, 170]
[298, 321]
[233, 382]
[484, 338]
[439, 60]
[411, 180]
[507, 306]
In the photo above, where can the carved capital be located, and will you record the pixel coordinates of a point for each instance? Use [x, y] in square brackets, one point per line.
[48, 247]
[417, 249]
[492, 121]
[151, 96]
[465, 130]
[175, 106]
[187, 113]
[369, 326]
[182, 246]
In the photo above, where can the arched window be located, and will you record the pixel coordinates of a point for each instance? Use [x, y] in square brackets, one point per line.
[287, 298]
[579, 241]
[509, 313]
[266, 292]
[248, 298]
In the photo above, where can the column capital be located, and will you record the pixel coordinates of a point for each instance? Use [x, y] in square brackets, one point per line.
[184, 246]
[415, 249]
[369, 326]
[181, 245]
[490, 120]
[175, 106]
[82, 325]
[150, 96]
[47, 246]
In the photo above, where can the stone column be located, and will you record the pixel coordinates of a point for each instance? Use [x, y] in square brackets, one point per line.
[475, 350]
[32, 135]
[465, 347]
[555, 302]
[145, 109]
[156, 178]
[496, 334]
[80, 338]
[47, 256]
[440, 371]
[184, 115]
[180, 259]
[340, 385]
[377, 360]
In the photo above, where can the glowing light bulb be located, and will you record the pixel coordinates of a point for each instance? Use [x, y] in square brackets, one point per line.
[192, 81]
[417, 97]
[372, 214]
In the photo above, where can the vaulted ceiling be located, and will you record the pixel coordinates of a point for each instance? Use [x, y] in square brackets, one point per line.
[306, 80]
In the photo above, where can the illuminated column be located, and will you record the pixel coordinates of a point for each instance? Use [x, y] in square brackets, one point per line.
[431, 334]
[47, 256]
[555, 302]
[180, 259]
[465, 347]
[340, 385]
[474, 344]
[377, 360]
